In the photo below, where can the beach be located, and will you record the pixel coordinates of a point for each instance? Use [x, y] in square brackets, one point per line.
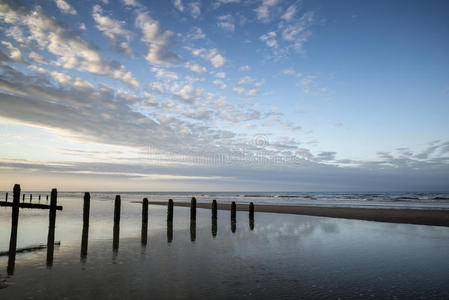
[407, 216]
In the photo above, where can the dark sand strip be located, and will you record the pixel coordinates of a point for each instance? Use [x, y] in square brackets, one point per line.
[408, 216]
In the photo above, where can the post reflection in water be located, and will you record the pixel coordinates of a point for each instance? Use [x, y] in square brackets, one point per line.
[84, 243]
[169, 231]
[214, 227]
[116, 237]
[192, 231]
[233, 217]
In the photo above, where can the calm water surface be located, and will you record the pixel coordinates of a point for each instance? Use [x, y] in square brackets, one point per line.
[284, 257]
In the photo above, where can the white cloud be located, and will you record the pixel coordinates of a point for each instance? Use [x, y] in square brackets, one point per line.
[65, 7]
[219, 83]
[14, 53]
[196, 34]
[113, 29]
[218, 3]
[220, 74]
[195, 68]
[226, 26]
[159, 40]
[132, 3]
[299, 33]
[270, 39]
[215, 58]
[289, 13]
[245, 68]
[195, 9]
[178, 4]
[37, 57]
[263, 11]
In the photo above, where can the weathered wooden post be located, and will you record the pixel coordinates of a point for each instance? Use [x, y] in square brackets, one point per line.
[51, 227]
[14, 223]
[115, 242]
[251, 216]
[31, 197]
[170, 221]
[233, 217]
[214, 209]
[46, 199]
[193, 209]
[85, 234]
[39, 197]
[6, 197]
[170, 211]
[23, 198]
[144, 234]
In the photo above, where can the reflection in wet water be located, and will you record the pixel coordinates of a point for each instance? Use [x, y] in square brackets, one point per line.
[84, 243]
[169, 231]
[284, 256]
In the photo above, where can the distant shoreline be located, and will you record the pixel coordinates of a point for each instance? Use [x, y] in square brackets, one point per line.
[407, 216]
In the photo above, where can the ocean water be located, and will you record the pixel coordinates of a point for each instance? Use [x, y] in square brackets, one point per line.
[412, 200]
[282, 257]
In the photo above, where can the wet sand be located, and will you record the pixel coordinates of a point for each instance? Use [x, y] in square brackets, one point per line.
[407, 216]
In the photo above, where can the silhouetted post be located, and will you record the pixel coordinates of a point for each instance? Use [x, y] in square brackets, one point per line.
[85, 234]
[214, 209]
[31, 197]
[170, 221]
[115, 242]
[170, 211]
[233, 217]
[51, 227]
[144, 235]
[86, 210]
[46, 199]
[23, 198]
[39, 197]
[6, 197]
[251, 216]
[14, 223]
[193, 210]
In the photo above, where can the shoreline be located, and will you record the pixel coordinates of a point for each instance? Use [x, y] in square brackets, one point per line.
[405, 216]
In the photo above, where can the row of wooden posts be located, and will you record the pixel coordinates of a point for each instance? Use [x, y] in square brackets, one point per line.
[53, 207]
[23, 197]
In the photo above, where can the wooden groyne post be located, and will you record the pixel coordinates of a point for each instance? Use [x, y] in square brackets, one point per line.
[233, 216]
[23, 198]
[193, 209]
[39, 197]
[170, 211]
[14, 223]
[46, 199]
[116, 235]
[31, 197]
[51, 227]
[214, 209]
[251, 216]
[170, 221]
[144, 234]
[6, 197]
[85, 234]
[214, 218]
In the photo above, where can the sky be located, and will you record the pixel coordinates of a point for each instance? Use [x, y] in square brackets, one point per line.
[224, 95]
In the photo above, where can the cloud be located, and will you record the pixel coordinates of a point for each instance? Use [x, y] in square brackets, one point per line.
[114, 30]
[71, 50]
[263, 11]
[195, 68]
[159, 40]
[290, 12]
[270, 39]
[245, 68]
[298, 33]
[64, 7]
[195, 10]
[220, 74]
[37, 57]
[218, 3]
[196, 34]
[219, 83]
[178, 4]
[14, 53]
[226, 22]
[247, 87]
[214, 57]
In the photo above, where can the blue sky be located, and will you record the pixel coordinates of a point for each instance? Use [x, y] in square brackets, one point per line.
[224, 95]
